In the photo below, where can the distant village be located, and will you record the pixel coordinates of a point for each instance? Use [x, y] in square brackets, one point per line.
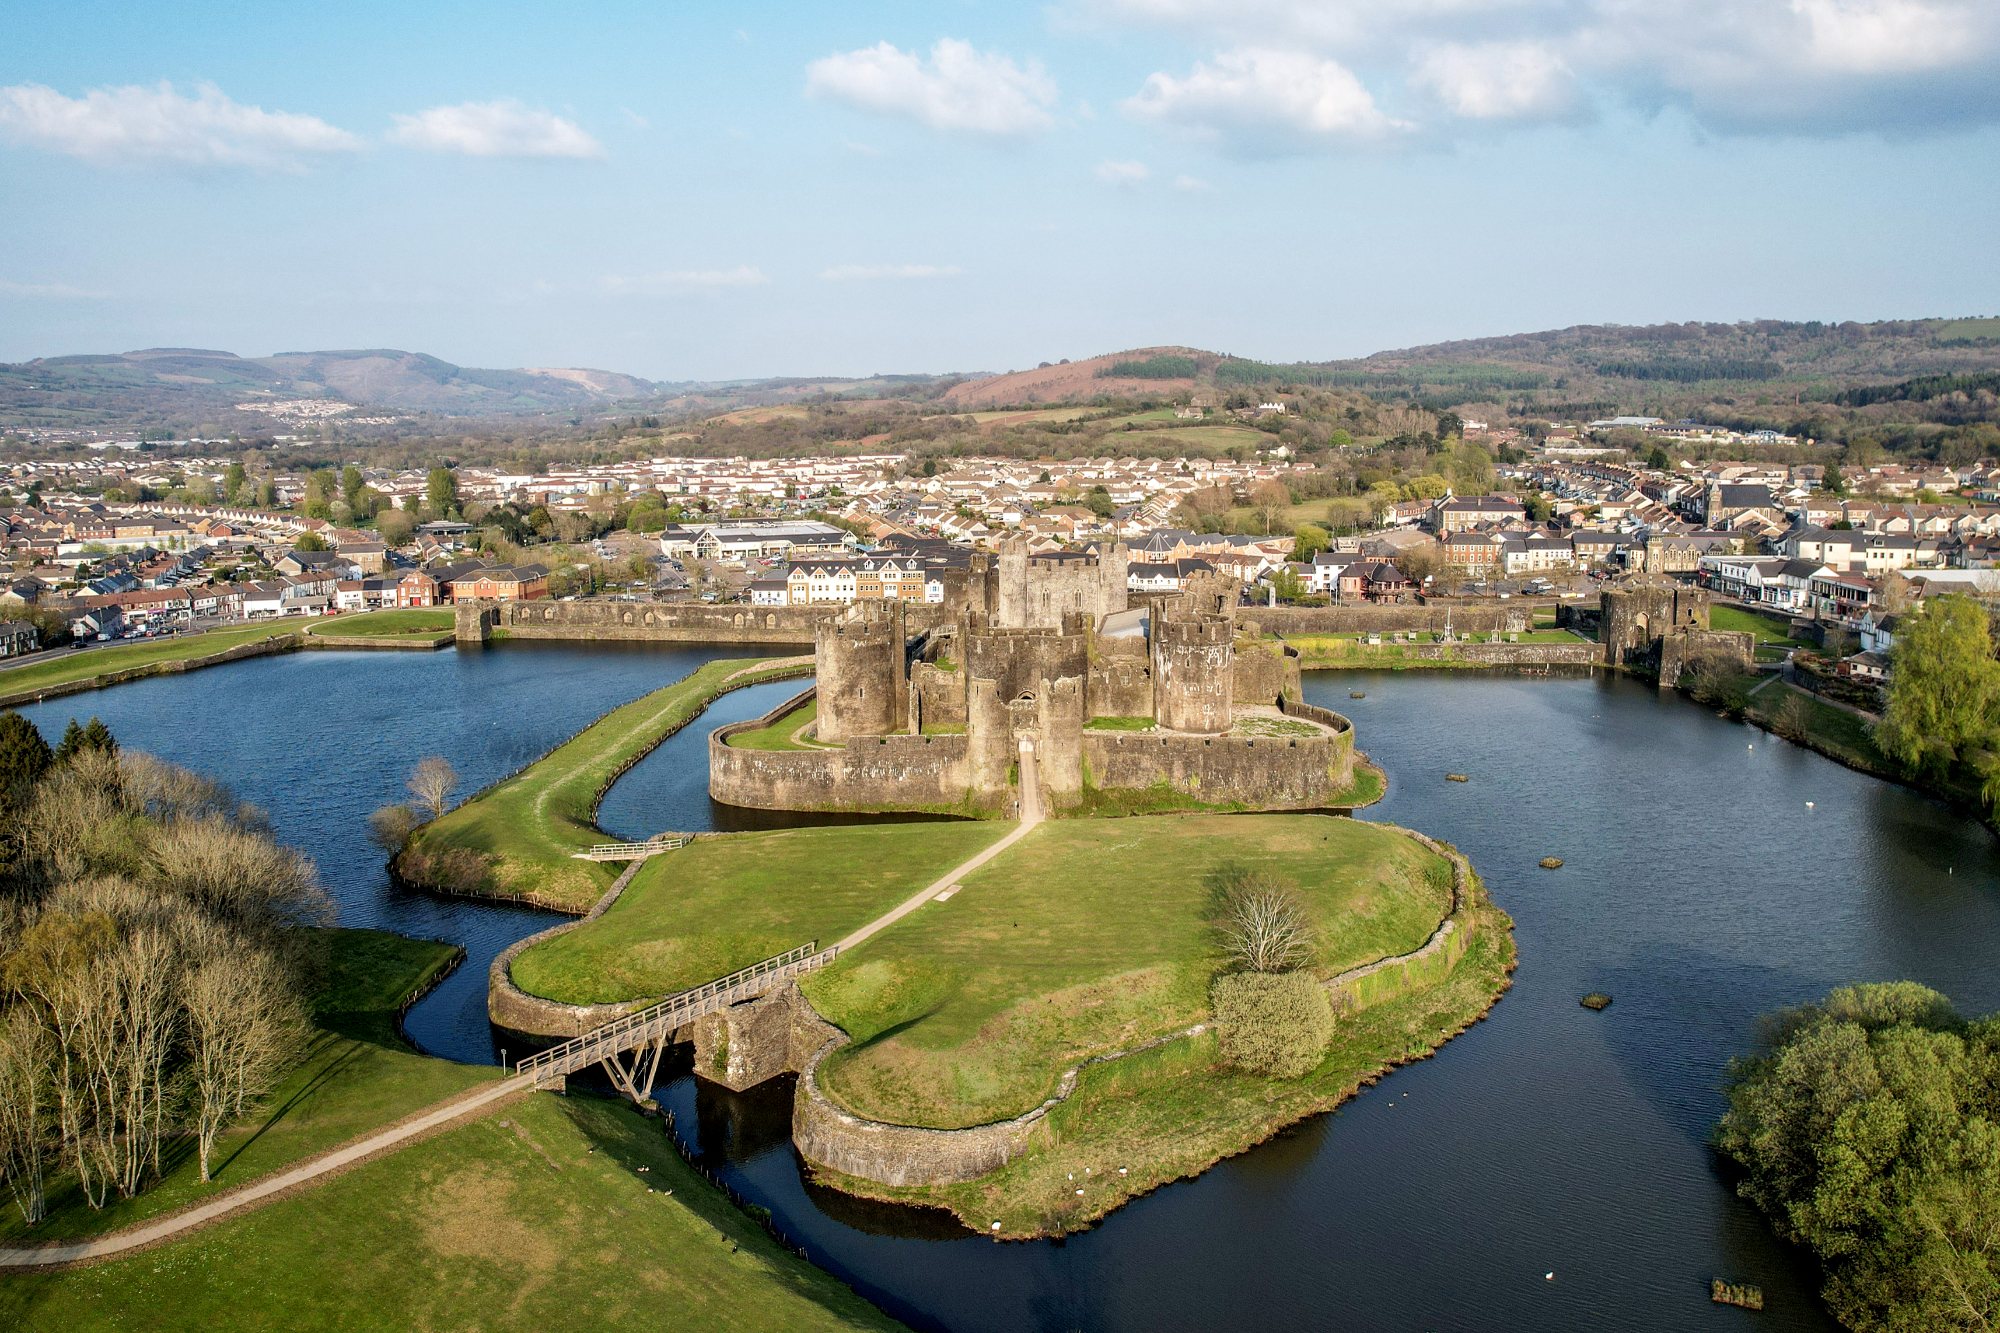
[1769, 536]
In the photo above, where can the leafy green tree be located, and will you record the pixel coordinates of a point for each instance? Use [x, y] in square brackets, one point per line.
[309, 541]
[24, 757]
[1833, 481]
[267, 494]
[233, 482]
[1099, 502]
[92, 736]
[351, 484]
[441, 489]
[1866, 1133]
[1944, 688]
[1659, 460]
[1290, 586]
[1308, 542]
[1538, 508]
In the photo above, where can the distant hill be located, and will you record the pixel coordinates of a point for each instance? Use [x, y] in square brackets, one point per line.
[1143, 370]
[189, 388]
[1764, 371]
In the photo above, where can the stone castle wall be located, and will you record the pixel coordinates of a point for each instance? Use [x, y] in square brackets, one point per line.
[1265, 673]
[1035, 592]
[868, 773]
[1633, 620]
[937, 696]
[1466, 618]
[1193, 673]
[859, 664]
[677, 622]
[1266, 772]
[1019, 660]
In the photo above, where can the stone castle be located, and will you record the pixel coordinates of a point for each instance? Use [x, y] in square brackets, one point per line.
[1044, 664]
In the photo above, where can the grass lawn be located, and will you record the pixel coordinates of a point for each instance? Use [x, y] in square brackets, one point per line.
[778, 736]
[357, 1076]
[1772, 642]
[1120, 724]
[126, 656]
[1174, 1111]
[528, 825]
[723, 903]
[413, 620]
[1088, 936]
[509, 1222]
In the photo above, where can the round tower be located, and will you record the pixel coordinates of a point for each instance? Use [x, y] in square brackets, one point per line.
[1194, 670]
[858, 660]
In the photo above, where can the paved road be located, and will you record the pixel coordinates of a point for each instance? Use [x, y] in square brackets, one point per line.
[162, 1228]
[1031, 815]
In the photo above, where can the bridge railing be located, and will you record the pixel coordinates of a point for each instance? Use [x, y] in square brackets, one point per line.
[615, 851]
[674, 1011]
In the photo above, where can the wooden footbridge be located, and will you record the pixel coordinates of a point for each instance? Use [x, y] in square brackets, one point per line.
[629, 1048]
[633, 851]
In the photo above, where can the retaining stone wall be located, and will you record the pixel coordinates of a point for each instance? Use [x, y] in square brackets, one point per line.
[1267, 772]
[680, 622]
[1466, 618]
[868, 773]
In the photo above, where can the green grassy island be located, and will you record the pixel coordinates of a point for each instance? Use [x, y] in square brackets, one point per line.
[1089, 943]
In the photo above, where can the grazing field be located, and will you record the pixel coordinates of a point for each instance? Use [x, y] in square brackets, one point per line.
[546, 1213]
[357, 1075]
[525, 828]
[425, 621]
[1087, 936]
[130, 656]
[724, 903]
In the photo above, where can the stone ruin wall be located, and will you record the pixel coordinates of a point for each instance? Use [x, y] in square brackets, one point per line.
[868, 773]
[1193, 674]
[1276, 773]
[1034, 593]
[1482, 617]
[859, 665]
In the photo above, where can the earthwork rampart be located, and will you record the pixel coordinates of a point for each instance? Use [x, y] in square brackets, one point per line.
[890, 1154]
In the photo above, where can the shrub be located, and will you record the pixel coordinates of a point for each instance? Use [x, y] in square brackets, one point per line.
[1275, 1023]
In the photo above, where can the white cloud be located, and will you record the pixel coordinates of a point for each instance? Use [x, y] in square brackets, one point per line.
[865, 149]
[1747, 66]
[134, 125]
[688, 279]
[1515, 81]
[60, 291]
[961, 88]
[1263, 99]
[1122, 173]
[865, 272]
[1190, 185]
[494, 129]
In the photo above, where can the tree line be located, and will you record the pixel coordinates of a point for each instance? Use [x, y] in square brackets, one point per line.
[151, 963]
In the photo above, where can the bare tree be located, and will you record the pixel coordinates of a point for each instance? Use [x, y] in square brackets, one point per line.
[390, 827]
[238, 875]
[1272, 502]
[432, 783]
[1265, 927]
[27, 1110]
[243, 1028]
[1794, 717]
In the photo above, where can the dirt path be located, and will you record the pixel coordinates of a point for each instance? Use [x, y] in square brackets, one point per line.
[257, 1191]
[1031, 815]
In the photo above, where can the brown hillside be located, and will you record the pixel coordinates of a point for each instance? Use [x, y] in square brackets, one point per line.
[1076, 382]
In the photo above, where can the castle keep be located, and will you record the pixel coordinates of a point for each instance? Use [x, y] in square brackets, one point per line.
[1046, 656]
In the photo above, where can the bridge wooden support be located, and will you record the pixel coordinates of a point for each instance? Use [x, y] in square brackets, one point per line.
[635, 1079]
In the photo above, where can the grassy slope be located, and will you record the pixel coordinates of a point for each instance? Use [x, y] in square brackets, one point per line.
[1174, 1111]
[1771, 642]
[531, 822]
[409, 620]
[1085, 937]
[508, 1222]
[778, 736]
[357, 1076]
[723, 903]
[124, 657]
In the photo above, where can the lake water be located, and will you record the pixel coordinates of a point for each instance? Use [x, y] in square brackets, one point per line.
[1698, 888]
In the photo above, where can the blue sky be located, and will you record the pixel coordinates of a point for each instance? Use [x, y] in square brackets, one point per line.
[707, 191]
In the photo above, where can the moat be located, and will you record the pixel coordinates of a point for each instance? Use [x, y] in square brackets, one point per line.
[1698, 888]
